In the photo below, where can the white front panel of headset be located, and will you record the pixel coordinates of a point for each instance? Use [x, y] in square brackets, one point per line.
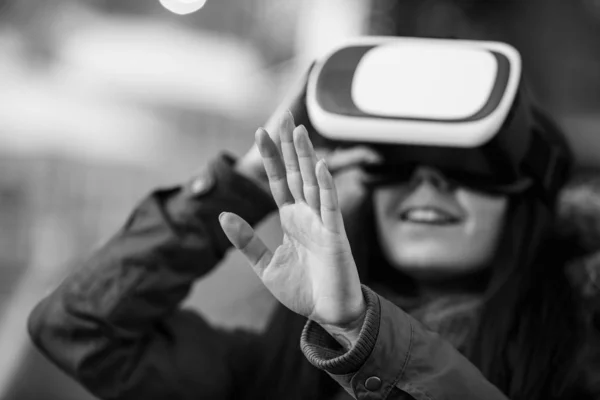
[424, 81]
[383, 124]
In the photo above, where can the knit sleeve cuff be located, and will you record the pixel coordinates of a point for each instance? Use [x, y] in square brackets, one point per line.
[327, 354]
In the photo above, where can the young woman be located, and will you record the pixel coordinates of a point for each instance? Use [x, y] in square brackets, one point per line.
[376, 261]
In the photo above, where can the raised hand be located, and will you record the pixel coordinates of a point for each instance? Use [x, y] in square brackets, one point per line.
[312, 272]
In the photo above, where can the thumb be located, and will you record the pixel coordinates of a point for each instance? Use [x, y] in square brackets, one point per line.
[243, 238]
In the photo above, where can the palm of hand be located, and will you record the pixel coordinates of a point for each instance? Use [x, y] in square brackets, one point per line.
[307, 271]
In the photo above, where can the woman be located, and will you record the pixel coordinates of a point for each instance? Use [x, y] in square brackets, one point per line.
[484, 270]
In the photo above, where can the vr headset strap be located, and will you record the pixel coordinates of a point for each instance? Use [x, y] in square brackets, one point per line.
[543, 161]
[546, 163]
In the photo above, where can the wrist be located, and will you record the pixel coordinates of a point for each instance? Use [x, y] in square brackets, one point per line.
[348, 333]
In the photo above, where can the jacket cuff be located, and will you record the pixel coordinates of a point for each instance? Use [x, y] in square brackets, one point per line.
[218, 188]
[327, 354]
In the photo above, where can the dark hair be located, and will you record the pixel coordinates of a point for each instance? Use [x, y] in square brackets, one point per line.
[528, 335]
[527, 338]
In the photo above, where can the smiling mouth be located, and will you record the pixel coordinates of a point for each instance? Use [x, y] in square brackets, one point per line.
[428, 216]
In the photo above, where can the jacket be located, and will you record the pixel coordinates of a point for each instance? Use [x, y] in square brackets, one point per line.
[116, 327]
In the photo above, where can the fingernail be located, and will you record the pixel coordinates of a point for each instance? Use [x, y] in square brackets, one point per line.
[291, 116]
[257, 136]
[301, 134]
[222, 215]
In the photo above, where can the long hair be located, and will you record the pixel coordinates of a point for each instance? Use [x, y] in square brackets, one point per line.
[528, 337]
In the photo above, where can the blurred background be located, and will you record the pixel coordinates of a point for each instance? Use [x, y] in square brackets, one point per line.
[103, 100]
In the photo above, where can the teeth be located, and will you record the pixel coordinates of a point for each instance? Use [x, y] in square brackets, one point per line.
[426, 215]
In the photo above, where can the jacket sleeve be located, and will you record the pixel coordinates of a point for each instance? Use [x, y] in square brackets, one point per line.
[115, 324]
[396, 358]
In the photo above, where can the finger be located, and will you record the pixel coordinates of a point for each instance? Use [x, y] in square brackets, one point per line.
[307, 160]
[290, 158]
[274, 168]
[330, 211]
[352, 157]
[243, 238]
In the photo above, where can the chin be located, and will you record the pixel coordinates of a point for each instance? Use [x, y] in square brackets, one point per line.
[426, 261]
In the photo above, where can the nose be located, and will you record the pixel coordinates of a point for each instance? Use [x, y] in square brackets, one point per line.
[430, 175]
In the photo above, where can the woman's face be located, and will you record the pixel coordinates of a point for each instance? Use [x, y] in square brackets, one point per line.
[427, 228]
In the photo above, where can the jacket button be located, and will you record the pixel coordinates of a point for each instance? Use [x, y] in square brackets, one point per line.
[373, 383]
[201, 185]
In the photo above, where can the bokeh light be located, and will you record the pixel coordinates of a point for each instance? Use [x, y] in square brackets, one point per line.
[183, 7]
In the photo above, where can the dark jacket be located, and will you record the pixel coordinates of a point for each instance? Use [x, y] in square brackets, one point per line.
[115, 324]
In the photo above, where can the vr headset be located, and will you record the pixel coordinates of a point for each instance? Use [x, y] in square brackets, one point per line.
[452, 104]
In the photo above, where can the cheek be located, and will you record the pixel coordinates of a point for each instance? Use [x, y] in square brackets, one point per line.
[477, 242]
[486, 217]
